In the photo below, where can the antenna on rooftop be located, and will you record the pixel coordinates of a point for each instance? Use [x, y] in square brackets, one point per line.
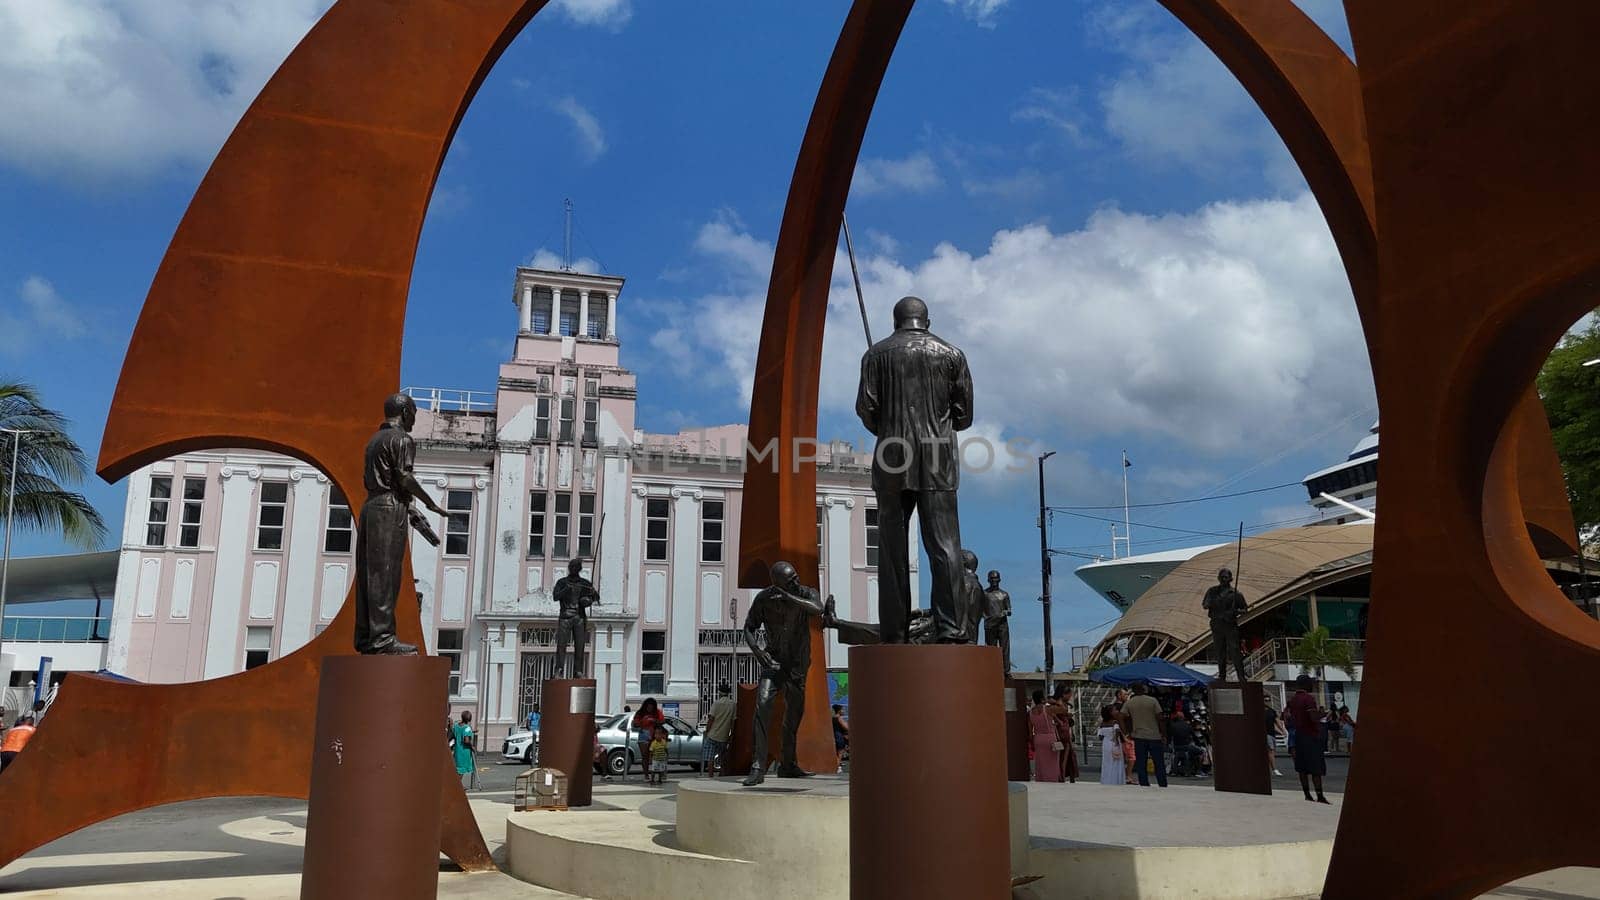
[566, 244]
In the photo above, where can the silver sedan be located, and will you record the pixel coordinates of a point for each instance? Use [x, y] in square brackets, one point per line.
[621, 747]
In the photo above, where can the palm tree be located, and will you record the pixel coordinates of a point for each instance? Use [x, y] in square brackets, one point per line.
[1318, 650]
[47, 458]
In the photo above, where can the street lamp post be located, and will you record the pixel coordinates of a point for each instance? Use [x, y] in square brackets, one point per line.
[1044, 576]
[11, 503]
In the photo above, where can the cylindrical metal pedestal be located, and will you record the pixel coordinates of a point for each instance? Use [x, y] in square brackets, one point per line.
[1016, 711]
[566, 734]
[376, 765]
[928, 811]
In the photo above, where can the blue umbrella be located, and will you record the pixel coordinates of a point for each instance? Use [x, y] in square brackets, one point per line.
[1154, 671]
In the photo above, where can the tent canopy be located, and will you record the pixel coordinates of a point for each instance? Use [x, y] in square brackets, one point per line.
[1154, 671]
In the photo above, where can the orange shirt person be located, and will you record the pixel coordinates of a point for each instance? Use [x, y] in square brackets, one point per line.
[15, 740]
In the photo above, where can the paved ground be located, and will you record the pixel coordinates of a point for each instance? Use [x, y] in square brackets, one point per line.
[251, 847]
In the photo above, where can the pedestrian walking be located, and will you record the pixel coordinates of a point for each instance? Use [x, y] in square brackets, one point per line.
[719, 731]
[1149, 735]
[841, 735]
[1061, 708]
[534, 719]
[1111, 771]
[16, 738]
[1045, 740]
[1347, 728]
[1309, 762]
[657, 772]
[644, 729]
[466, 764]
[1275, 730]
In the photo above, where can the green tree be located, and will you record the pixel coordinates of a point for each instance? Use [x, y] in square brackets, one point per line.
[47, 459]
[1571, 394]
[1317, 650]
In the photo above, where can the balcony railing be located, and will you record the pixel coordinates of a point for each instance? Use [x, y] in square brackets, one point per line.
[1283, 646]
[57, 629]
[450, 399]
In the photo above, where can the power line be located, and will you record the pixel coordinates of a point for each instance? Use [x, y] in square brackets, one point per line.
[1276, 487]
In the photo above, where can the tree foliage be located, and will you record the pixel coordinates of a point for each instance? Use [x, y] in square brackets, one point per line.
[1318, 650]
[1571, 394]
[48, 460]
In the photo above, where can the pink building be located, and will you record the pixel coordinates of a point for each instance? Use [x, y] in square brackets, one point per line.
[231, 558]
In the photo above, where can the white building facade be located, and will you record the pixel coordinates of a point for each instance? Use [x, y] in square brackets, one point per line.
[232, 558]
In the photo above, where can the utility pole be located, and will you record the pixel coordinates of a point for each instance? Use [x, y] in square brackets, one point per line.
[11, 508]
[1127, 527]
[1044, 577]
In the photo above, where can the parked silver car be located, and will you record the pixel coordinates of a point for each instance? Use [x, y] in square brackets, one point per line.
[621, 747]
[522, 745]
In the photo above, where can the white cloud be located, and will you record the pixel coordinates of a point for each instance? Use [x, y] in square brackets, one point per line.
[100, 89]
[612, 14]
[41, 314]
[914, 174]
[1056, 108]
[1218, 329]
[1018, 188]
[551, 260]
[1177, 104]
[982, 12]
[590, 136]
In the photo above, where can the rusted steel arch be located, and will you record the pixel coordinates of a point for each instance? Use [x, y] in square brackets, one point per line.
[285, 288]
[1481, 133]
[780, 494]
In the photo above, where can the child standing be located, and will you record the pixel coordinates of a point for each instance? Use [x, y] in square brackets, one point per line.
[658, 756]
[1111, 770]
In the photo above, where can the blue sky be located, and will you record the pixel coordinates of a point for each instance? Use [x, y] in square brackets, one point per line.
[1092, 207]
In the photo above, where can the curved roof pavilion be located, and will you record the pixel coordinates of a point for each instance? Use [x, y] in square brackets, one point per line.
[1277, 567]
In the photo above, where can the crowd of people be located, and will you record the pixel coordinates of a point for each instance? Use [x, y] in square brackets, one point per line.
[1152, 733]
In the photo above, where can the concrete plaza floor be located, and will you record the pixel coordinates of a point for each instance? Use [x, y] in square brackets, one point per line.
[251, 847]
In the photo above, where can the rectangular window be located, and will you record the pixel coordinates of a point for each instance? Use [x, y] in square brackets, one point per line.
[458, 522]
[194, 499]
[711, 531]
[872, 537]
[568, 410]
[155, 528]
[569, 315]
[537, 503]
[541, 419]
[597, 315]
[820, 515]
[270, 515]
[340, 534]
[257, 645]
[653, 674]
[541, 310]
[655, 528]
[591, 388]
[591, 420]
[563, 523]
[449, 645]
[586, 526]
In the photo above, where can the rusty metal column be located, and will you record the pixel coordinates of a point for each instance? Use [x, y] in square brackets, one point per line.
[929, 816]
[566, 734]
[1016, 712]
[373, 827]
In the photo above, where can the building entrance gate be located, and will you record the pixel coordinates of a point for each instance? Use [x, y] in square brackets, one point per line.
[538, 663]
[717, 668]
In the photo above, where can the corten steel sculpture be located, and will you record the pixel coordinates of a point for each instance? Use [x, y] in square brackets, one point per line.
[1469, 129]
[286, 284]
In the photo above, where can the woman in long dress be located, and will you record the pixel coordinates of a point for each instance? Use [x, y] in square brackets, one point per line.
[1061, 709]
[1042, 736]
[1111, 771]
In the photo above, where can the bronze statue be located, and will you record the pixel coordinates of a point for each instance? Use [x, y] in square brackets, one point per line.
[996, 611]
[1225, 605]
[381, 537]
[915, 394]
[786, 609]
[574, 594]
[971, 608]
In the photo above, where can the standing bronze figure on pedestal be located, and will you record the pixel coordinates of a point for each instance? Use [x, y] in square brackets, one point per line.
[786, 609]
[574, 595]
[915, 394]
[381, 539]
[1225, 605]
[996, 612]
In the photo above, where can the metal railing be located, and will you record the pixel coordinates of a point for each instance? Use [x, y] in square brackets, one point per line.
[450, 399]
[1283, 646]
[58, 629]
